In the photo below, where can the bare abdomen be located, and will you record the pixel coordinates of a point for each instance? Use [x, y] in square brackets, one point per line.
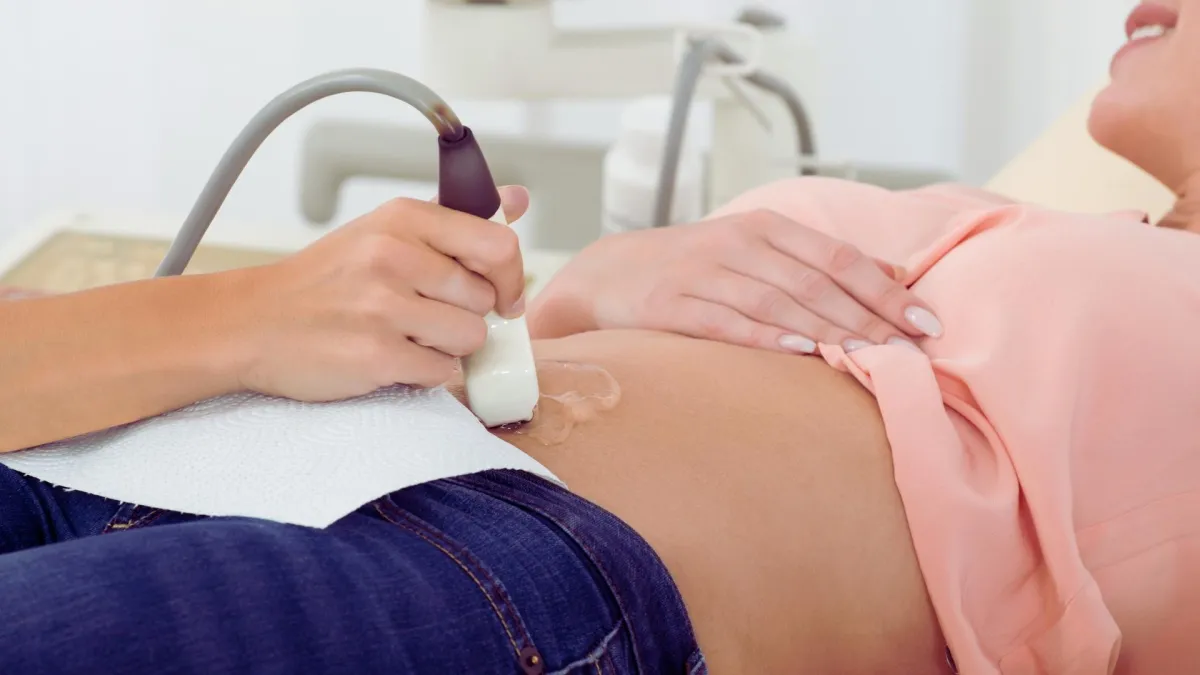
[764, 481]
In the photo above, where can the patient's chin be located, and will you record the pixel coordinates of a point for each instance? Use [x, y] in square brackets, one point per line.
[1110, 116]
[1120, 124]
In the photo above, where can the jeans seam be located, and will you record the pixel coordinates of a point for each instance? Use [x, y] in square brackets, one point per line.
[113, 525]
[150, 517]
[435, 538]
[125, 517]
[119, 520]
[118, 524]
[595, 560]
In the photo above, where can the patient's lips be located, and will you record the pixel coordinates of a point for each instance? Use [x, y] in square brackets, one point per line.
[572, 394]
[1148, 23]
[1150, 20]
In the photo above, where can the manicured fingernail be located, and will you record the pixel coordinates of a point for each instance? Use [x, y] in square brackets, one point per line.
[518, 309]
[513, 195]
[855, 345]
[798, 344]
[924, 321]
[902, 342]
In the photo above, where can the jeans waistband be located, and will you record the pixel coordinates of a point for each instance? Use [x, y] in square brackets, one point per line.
[646, 595]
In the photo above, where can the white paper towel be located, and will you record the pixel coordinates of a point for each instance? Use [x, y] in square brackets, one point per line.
[277, 459]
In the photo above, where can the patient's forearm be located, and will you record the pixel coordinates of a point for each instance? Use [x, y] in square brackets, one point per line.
[83, 362]
[551, 316]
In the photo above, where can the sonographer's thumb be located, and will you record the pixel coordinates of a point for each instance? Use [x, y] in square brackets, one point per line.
[513, 198]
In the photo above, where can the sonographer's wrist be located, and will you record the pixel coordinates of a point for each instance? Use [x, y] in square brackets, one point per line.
[226, 319]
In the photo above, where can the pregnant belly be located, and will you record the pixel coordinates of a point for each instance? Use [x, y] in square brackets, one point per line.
[764, 481]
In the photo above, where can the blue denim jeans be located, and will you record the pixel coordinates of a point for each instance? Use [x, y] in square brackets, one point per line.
[498, 572]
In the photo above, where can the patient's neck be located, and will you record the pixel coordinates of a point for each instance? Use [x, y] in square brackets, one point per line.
[1185, 214]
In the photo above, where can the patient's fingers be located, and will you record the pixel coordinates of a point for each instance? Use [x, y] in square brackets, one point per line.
[831, 315]
[765, 304]
[894, 272]
[709, 320]
[859, 275]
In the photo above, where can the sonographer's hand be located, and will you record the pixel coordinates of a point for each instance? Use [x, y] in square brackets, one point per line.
[755, 279]
[392, 297]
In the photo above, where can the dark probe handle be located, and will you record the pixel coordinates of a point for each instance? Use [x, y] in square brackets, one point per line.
[464, 180]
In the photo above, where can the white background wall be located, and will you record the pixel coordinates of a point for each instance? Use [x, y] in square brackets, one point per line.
[1025, 62]
[129, 103]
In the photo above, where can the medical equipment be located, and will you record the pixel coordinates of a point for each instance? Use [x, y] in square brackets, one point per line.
[640, 143]
[500, 379]
[690, 71]
[632, 181]
[535, 61]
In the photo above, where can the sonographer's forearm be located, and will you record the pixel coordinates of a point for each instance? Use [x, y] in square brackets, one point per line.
[78, 363]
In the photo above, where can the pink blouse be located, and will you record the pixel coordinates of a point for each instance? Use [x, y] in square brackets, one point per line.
[1047, 447]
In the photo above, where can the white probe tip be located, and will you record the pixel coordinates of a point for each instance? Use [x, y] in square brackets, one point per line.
[501, 378]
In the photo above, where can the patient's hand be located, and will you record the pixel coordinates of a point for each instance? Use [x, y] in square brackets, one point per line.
[755, 279]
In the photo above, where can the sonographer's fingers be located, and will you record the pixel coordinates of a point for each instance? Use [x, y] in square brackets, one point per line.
[417, 366]
[513, 198]
[488, 249]
[448, 329]
[436, 277]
